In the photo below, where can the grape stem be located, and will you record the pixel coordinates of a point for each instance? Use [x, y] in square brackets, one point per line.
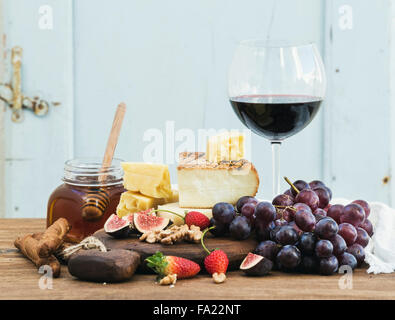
[201, 240]
[291, 184]
[286, 207]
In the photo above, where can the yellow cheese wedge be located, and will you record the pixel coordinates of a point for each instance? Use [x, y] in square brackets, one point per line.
[226, 146]
[131, 202]
[175, 207]
[150, 179]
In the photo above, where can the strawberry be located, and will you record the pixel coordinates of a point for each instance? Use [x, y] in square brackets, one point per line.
[198, 219]
[216, 263]
[166, 265]
[190, 218]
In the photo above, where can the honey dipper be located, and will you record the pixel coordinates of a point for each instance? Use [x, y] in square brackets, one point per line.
[96, 201]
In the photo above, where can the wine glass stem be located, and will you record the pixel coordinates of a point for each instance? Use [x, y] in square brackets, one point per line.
[276, 167]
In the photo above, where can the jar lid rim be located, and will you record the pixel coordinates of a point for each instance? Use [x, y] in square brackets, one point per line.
[89, 172]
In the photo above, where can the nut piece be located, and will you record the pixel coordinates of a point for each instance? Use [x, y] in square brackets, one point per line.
[173, 234]
[219, 277]
[170, 279]
[194, 234]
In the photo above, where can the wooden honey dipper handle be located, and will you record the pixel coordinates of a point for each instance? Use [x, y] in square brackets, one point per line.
[97, 201]
[114, 135]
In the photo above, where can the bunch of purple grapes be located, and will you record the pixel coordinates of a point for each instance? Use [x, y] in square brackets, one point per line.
[300, 230]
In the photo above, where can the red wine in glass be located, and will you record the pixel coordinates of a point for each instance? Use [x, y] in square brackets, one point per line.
[261, 78]
[276, 117]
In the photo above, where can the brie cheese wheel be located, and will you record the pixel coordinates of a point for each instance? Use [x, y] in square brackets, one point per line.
[175, 207]
[202, 184]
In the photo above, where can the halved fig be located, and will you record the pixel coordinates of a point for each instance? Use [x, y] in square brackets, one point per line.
[117, 227]
[129, 217]
[146, 222]
[256, 265]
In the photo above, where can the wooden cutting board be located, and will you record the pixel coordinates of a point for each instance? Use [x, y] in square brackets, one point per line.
[236, 250]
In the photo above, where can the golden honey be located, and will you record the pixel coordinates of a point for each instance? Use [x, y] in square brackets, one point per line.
[86, 185]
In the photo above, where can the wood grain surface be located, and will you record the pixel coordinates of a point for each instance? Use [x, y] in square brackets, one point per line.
[235, 250]
[20, 280]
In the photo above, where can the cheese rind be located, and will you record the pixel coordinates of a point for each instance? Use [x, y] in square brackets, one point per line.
[149, 179]
[175, 207]
[203, 184]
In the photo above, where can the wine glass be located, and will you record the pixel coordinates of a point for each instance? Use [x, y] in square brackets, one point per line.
[276, 89]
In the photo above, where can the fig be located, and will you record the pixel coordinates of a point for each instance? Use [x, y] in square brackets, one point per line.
[129, 217]
[146, 222]
[117, 227]
[256, 265]
[112, 266]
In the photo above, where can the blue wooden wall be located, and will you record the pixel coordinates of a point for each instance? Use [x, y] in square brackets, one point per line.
[168, 61]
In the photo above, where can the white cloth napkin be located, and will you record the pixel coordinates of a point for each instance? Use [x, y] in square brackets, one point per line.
[380, 252]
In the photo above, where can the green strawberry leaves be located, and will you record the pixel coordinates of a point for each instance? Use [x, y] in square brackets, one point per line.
[157, 263]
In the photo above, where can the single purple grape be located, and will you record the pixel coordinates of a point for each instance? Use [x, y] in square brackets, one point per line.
[301, 206]
[347, 259]
[283, 200]
[323, 196]
[365, 205]
[328, 265]
[358, 252]
[265, 212]
[329, 191]
[326, 228]
[223, 213]
[308, 197]
[300, 185]
[268, 249]
[287, 235]
[348, 232]
[248, 210]
[305, 220]
[339, 245]
[335, 211]
[307, 243]
[353, 213]
[316, 183]
[219, 230]
[243, 200]
[362, 237]
[240, 228]
[289, 257]
[319, 214]
[368, 227]
[323, 249]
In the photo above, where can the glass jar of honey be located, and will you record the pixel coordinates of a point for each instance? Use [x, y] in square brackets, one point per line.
[88, 196]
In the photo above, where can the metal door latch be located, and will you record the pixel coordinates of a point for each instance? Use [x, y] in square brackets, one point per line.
[12, 95]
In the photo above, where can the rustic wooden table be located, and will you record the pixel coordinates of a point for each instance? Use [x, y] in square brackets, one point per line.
[19, 279]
